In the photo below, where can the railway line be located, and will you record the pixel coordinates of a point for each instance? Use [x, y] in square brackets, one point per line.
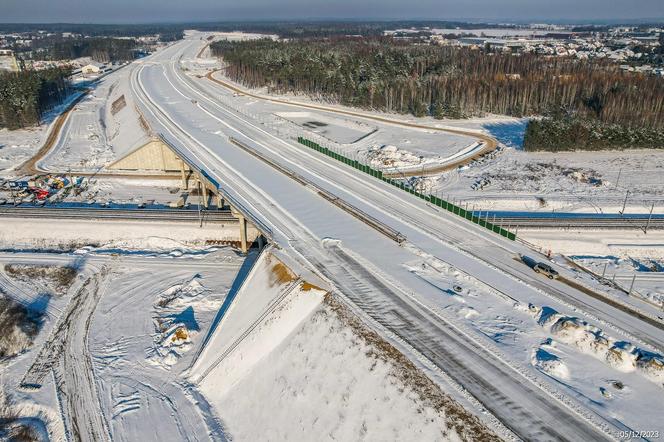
[224, 216]
[561, 222]
[97, 213]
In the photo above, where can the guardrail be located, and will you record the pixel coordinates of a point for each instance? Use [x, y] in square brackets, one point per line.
[452, 208]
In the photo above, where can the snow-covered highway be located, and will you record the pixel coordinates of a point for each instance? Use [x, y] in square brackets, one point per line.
[374, 273]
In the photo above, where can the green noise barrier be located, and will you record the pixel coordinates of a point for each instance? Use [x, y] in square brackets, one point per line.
[446, 205]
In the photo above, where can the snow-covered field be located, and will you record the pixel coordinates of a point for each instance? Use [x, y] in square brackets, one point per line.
[126, 372]
[139, 362]
[17, 146]
[281, 357]
[337, 130]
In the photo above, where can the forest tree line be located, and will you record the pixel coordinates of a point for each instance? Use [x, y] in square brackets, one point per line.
[456, 82]
[103, 50]
[557, 134]
[25, 96]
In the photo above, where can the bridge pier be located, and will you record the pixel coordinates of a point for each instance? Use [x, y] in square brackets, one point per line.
[185, 182]
[243, 233]
[202, 188]
[207, 189]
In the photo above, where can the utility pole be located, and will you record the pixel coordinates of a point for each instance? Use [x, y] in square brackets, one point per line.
[632, 285]
[618, 179]
[604, 271]
[645, 230]
[622, 212]
[200, 215]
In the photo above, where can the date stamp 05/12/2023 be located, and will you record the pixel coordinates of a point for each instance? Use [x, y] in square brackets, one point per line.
[634, 434]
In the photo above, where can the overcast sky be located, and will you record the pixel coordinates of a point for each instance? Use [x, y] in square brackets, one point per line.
[141, 11]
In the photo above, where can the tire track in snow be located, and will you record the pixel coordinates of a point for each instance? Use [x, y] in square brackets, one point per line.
[66, 353]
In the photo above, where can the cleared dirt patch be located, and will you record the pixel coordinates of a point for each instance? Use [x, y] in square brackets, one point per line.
[19, 327]
[467, 426]
[58, 278]
[306, 286]
[281, 274]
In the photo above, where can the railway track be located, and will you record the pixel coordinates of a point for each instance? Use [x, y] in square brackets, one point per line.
[580, 223]
[97, 213]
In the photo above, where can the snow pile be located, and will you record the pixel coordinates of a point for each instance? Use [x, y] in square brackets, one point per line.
[622, 356]
[175, 321]
[422, 184]
[150, 243]
[389, 156]
[548, 362]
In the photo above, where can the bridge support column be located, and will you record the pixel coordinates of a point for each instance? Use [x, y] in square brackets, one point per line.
[220, 201]
[183, 173]
[243, 233]
[203, 191]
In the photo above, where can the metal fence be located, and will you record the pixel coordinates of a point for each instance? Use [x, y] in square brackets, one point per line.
[467, 214]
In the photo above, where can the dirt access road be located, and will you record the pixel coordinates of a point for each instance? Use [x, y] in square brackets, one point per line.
[66, 353]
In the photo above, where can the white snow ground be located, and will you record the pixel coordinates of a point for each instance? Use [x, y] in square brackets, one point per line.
[138, 395]
[512, 179]
[139, 361]
[108, 236]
